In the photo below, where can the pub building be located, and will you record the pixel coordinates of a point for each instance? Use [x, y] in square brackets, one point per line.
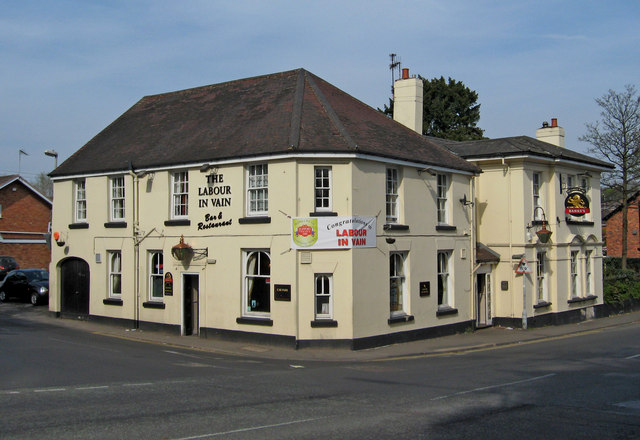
[281, 209]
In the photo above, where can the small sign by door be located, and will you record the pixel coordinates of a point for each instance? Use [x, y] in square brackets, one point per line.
[168, 284]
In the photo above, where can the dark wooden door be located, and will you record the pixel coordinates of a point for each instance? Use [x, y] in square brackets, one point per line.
[74, 287]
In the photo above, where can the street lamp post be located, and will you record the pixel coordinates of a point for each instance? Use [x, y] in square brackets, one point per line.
[54, 154]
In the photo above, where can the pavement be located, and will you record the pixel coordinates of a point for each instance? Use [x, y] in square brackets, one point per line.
[484, 339]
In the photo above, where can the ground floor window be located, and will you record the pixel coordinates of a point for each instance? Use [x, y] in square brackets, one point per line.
[397, 285]
[541, 281]
[257, 282]
[588, 273]
[444, 280]
[573, 274]
[323, 293]
[156, 270]
[115, 273]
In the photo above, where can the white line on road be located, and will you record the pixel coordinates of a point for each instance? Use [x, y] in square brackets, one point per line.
[93, 388]
[633, 357]
[182, 354]
[50, 390]
[143, 384]
[460, 393]
[254, 428]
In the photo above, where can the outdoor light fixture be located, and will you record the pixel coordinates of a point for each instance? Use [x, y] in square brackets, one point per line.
[181, 251]
[543, 234]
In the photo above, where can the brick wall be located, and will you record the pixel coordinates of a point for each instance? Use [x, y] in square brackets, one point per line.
[613, 233]
[24, 211]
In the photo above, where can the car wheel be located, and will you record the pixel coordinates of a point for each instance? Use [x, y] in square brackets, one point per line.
[34, 299]
[3, 296]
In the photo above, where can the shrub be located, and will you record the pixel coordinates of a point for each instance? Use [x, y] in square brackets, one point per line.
[621, 286]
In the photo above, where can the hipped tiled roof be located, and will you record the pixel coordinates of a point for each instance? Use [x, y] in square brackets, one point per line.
[516, 146]
[282, 113]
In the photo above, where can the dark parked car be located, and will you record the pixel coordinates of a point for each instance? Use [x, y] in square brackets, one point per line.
[27, 284]
[7, 264]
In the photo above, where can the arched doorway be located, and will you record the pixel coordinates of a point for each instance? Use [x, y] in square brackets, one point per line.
[74, 288]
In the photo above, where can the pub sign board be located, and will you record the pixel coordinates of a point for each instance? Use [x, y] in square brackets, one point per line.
[425, 288]
[576, 203]
[168, 284]
[282, 292]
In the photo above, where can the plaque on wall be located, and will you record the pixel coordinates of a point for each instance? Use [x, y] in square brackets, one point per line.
[282, 292]
[425, 288]
[168, 284]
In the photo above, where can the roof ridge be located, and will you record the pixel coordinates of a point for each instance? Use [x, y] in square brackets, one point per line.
[333, 116]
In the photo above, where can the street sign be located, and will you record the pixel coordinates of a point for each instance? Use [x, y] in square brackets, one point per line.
[523, 266]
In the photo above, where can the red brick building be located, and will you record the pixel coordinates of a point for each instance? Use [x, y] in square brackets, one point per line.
[25, 219]
[612, 229]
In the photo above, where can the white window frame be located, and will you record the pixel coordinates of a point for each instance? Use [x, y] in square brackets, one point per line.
[444, 265]
[80, 200]
[398, 301]
[541, 276]
[247, 281]
[588, 272]
[156, 275]
[180, 195]
[574, 274]
[323, 290]
[391, 195]
[114, 259]
[442, 199]
[322, 188]
[536, 184]
[258, 189]
[117, 198]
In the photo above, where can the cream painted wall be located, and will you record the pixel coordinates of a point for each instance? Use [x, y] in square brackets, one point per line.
[360, 277]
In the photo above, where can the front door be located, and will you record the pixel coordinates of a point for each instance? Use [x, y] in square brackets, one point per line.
[483, 291]
[74, 288]
[191, 294]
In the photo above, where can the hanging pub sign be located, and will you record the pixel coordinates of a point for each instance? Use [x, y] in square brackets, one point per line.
[168, 284]
[576, 203]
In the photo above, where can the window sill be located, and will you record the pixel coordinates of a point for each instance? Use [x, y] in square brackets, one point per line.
[580, 222]
[541, 304]
[153, 305]
[323, 214]
[401, 318]
[82, 225]
[178, 222]
[112, 301]
[444, 311]
[115, 225]
[537, 222]
[395, 227]
[582, 299]
[251, 320]
[324, 323]
[254, 220]
[445, 228]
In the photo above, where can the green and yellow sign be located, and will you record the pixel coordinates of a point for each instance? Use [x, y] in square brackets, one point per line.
[305, 231]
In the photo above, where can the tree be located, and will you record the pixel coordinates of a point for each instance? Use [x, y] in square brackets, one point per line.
[450, 110]
[43, 183]
[616, 138]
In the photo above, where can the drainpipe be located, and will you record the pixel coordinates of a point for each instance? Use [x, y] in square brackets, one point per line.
[136, 247]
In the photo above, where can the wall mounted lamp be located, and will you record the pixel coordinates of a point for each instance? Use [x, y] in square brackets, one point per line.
[543, 233]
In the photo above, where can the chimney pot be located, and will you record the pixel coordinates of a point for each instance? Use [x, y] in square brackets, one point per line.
[554, 122]
[405, 73]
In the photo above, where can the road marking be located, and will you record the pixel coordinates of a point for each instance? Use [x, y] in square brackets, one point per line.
[633, 357]
[182, 354]
[142, 384]
[460, 393]
[93, 388]
[253, 428]
[50, 390]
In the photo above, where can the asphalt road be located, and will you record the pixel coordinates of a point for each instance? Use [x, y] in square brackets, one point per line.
[57, 382]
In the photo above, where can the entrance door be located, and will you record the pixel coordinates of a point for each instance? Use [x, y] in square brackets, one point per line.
[483, 289]
[191, 294]
[74, 288]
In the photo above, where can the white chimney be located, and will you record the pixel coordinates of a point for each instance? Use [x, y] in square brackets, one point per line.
[551, 134]
[407, 101]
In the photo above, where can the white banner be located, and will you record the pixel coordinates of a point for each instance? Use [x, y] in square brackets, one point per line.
[333, 232]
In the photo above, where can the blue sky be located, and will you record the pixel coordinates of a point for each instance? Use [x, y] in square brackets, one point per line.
[69, 68]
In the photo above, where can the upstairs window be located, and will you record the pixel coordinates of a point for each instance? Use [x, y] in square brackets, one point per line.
[442, 191]
[536, 182]
[258, 190]
[322, 189]
[80, 201]
[180, 194]
[392, 195]
[116, 195]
